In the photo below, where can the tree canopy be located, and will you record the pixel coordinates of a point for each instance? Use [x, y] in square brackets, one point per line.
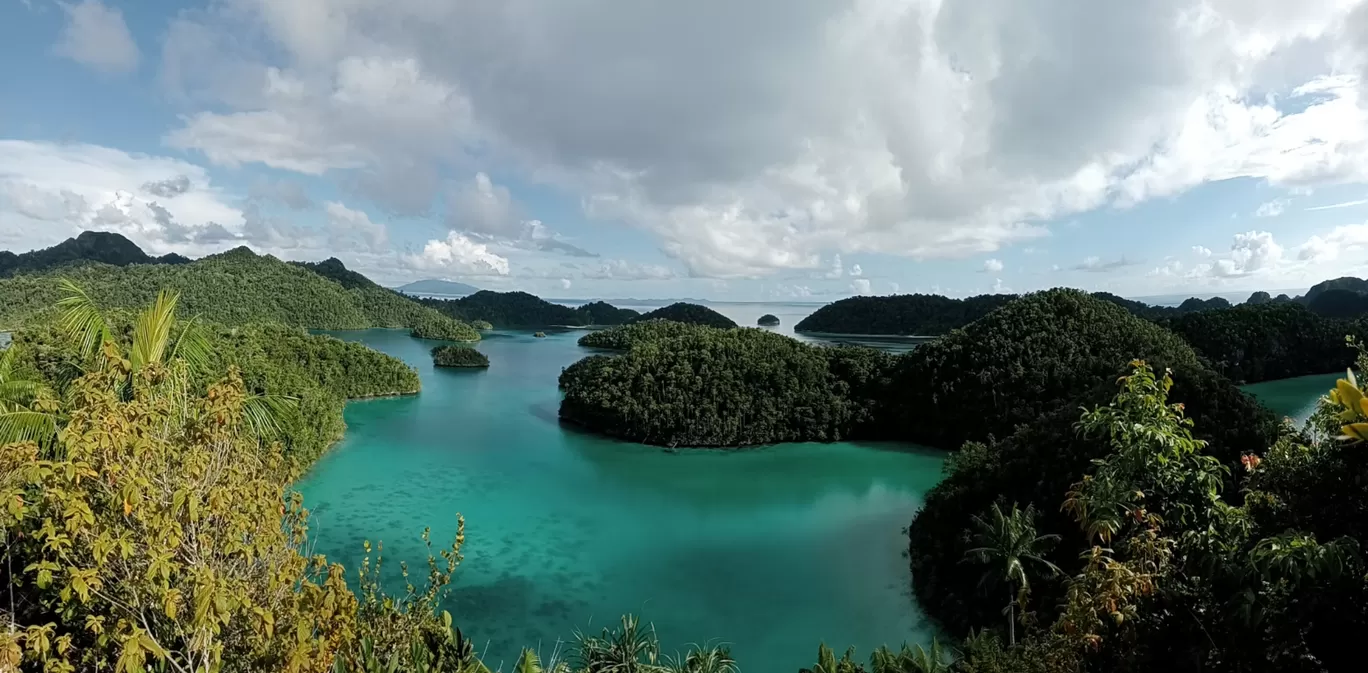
[89, 246]
[459, 356]
[908, 314]
[520, 310]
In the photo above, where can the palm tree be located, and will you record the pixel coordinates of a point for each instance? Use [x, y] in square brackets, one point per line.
[1007, 543]
[20, 421]
[153, 344]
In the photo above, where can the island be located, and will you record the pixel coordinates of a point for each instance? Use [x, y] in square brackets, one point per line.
[693, 314]
[459, 357]
[521, 310]
[768, 320]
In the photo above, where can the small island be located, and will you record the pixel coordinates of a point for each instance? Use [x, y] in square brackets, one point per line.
[481, 325]
[768, 320]
[442, 328]
[459, 357]
[693, 314]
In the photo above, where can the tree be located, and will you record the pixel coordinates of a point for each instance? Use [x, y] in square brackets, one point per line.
[25, 406]
[1008, 543]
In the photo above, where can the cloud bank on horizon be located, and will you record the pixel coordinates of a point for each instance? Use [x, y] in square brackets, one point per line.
[769, 149]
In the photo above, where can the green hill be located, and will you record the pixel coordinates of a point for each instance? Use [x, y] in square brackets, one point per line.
[90, 246]
[237, 287]
[693, 314]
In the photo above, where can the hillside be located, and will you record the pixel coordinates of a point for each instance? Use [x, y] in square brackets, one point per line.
[908, 315]
[237, 287]
[520, 310]
[693, 314]
[442, 287]
[1356, 285]
[89, 246]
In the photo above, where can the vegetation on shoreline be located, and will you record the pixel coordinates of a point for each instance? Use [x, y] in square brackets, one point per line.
[459, 356]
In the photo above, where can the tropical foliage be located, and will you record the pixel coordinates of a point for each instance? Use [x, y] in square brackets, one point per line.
[768, 320]
[458, 356]
[623, 337]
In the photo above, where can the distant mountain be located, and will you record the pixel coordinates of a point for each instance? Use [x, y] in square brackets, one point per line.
[89, 246]
[442, 287]
[520, 310]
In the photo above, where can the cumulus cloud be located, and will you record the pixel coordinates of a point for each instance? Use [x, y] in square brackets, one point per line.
[992, 266]
[856, 270]
[96, 36]
[1272, 208]
[1251, 252]
[860, 286]
[621, 269]
[458, 255]
[807, 127]
[1351, 238]
[1201, 251]
[565, 283]
[487, 210]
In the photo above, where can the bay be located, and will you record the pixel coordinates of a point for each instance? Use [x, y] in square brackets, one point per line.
[770, 550]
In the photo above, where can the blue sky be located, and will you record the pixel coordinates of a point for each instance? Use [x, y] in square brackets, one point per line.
[802, 149]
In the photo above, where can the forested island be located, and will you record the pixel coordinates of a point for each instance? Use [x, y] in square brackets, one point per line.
[459, 357]
[520, 310]
[1179, 493]
[768, 320]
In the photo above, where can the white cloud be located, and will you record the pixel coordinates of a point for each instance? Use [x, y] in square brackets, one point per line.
[1343, 204]
[460, 256]
[1272, 208]
[922, 129]
[488, 210]
[621, 269]
[999, 288]
[565, 283]
[992, 266]
[1095, 264]
[51, 191]
[1252, 252]
[1201, 251]
[837, 269]
[856, 270]
[860, 286]
[354, 230]
[1351, 238]
[96, 36]
[792, 291]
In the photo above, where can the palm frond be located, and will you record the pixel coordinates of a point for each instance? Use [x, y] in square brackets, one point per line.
[7, 362]
[18, 392]
[192, 346]
[26, 426]
[81, 320]
[152, 330]
[265, 415]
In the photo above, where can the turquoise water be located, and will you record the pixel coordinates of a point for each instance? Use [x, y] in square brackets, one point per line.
[1294, 398]
[771, 550]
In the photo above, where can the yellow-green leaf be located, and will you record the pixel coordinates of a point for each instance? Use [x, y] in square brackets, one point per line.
[1357, 432]
[1349, 396]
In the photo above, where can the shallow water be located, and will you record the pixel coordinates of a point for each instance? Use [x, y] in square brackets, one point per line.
[771, 550]
[1294, 398]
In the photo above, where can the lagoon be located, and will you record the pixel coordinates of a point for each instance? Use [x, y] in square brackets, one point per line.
[771, 550]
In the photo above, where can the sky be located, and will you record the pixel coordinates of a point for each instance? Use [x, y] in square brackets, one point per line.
[763, 150]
